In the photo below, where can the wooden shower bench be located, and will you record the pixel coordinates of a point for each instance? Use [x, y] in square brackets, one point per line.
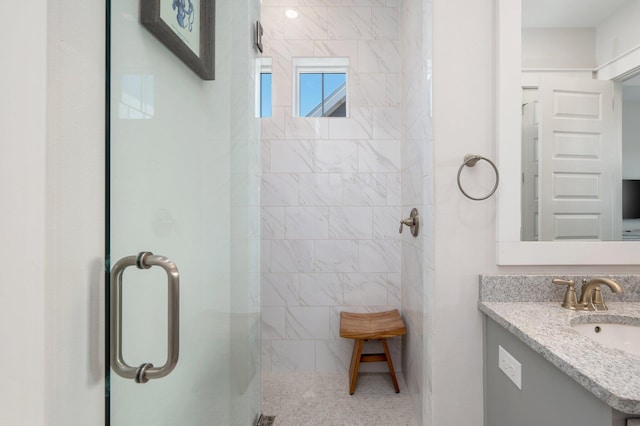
[370, 326]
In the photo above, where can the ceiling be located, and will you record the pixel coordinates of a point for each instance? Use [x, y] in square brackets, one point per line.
[567, 13]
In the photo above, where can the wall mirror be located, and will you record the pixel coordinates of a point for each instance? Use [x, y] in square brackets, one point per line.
[566, 109]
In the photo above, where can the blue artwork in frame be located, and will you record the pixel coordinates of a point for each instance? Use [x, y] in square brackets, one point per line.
[185, 15]
[186, 27]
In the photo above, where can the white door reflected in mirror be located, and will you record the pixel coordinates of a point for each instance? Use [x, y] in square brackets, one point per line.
[571, 162]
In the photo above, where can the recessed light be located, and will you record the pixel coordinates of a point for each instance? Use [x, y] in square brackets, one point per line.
[291, 14]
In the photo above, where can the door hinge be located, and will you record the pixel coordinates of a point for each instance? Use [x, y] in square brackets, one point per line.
[266, 420]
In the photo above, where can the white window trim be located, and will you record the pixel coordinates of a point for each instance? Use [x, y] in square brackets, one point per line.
[316, 66]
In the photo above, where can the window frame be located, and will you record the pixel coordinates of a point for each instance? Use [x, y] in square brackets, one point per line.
[318, 65]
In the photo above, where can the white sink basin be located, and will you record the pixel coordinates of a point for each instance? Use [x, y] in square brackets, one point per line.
[620, 336]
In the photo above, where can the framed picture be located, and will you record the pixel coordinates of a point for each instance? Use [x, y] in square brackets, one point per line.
[186, 27]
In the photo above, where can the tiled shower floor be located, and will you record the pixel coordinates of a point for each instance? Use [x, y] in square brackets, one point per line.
[298, 399]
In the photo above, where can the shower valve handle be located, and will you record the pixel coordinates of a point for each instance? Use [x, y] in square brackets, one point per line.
[413, 222]
[409, 222]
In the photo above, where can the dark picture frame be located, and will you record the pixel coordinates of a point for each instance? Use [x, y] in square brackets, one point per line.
[187, 28]
[259, 34]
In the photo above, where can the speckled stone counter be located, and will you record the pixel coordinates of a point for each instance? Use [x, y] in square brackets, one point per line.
[610, 374]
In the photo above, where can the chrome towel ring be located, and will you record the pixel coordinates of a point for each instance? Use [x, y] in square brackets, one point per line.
[471, 160]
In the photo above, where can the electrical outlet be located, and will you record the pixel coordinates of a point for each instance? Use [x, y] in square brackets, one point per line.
[510, 366]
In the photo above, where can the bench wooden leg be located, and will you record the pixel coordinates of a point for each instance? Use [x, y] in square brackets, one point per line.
[355, 364]
[393, 373]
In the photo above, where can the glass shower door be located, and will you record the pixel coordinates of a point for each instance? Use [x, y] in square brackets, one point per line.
[184, 185]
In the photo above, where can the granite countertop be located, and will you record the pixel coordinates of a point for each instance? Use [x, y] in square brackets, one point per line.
[610, 374]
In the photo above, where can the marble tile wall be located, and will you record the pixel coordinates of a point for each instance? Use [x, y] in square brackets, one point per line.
[331, 186]
[417, 191]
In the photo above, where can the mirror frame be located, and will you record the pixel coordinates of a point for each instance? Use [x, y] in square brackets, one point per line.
[509, 249]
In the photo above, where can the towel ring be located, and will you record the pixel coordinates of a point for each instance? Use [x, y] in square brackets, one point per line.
[471, 160]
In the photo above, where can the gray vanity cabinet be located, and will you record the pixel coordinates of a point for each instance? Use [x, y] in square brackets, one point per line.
[548, 396]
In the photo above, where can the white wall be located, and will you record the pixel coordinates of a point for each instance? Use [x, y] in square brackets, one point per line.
[558, 48]
[463, 122]
[51, 224]
[23, 249]
[618, 33]
[331, 186]
[75, 213]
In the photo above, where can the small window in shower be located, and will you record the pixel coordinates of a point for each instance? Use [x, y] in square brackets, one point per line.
[265, 94]
[320, 87]
[263, 88]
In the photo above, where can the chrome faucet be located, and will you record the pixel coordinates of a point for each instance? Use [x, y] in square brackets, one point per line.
[591, 298]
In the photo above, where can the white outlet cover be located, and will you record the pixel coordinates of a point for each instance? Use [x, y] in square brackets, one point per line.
[510, 366]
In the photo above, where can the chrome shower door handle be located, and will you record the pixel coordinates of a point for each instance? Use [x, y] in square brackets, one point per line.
[146, 371]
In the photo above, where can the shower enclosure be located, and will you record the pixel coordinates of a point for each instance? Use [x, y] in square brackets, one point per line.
[183, 182]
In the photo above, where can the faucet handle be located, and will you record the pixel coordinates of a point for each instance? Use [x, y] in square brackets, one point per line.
[409, 222]
[570, 298]
[560, 281]
[596, 302]
[413, 222]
